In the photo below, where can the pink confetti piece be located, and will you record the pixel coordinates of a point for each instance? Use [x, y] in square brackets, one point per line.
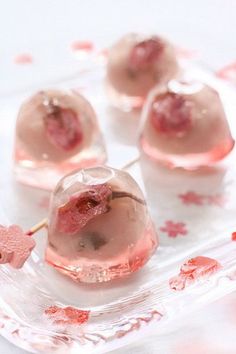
[174, 229]
[192, 270]
[67, 315]
[15, 246]
[86, 46]
[23, 59]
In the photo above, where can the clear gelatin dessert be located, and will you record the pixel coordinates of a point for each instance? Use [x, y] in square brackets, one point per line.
[99, 226]
[56, 132]
[136, 63]
[184, 125]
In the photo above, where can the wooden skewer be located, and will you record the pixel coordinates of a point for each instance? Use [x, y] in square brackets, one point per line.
[130, 163]
[43, 223]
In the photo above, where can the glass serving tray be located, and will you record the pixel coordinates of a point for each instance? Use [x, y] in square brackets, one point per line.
[193, 211]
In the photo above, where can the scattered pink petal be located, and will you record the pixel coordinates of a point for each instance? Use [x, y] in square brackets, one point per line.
[228, 73]
[191, 198]
[233, 236]
[218, 200]
[194, 198]
[44, 202]
[15, 246]
[104, 53]
[174, 229]
[78, 90]
[82, 207]
[85, 46]
[186, 53]
[23, 59]
[192, 270]
[67, 315]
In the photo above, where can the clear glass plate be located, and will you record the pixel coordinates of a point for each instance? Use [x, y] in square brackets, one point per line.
[144, 303]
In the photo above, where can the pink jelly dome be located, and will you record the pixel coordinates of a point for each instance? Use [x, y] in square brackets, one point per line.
[136, 63]
[184, 124]
[55, 125]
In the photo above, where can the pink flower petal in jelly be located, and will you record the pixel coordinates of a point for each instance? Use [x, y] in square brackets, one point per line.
[63, 128]
[15, 246]
[145, 53]
[81, 208]
[174, 229]
[67, 315]
[192, 270]
[171, 114]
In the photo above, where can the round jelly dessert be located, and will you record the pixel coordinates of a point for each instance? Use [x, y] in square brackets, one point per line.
[136, 63]
[56, 132]
[184, 125]
[99, 227]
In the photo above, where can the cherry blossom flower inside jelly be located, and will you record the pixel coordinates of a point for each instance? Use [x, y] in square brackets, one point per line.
[99, 226]
[56, 132]
[184, 125]
[136, 63]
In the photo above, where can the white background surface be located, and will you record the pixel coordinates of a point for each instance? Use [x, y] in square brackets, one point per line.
[205, 25]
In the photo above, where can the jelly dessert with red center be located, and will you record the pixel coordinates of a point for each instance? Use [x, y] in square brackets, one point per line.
[184, 125]
[56, 132]
[99, 227]
[136, 64]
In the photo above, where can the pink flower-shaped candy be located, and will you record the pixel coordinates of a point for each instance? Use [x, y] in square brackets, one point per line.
[15, 246]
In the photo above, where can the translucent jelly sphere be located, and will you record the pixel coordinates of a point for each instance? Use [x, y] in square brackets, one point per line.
[99, 226]
[184, 125]
[136, 63]
[56, 132]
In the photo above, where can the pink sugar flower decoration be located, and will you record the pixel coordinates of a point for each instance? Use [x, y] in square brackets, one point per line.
[67, 315]
[192, 197]
[174, 229]
[15, 246]
[75, 214]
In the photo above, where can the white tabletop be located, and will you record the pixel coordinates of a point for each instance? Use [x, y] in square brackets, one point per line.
[205, 25]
